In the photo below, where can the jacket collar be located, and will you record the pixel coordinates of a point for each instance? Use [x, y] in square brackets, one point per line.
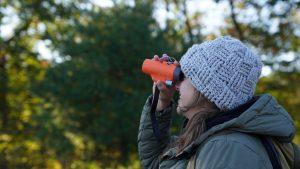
[214, 121]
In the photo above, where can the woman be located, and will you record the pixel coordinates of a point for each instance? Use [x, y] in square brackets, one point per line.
[225, 121]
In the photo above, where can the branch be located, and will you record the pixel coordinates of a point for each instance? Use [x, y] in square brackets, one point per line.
[187, 21]
[235, 23]
[167, 10]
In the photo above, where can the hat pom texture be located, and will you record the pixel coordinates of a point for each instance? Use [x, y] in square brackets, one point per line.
[224, 70]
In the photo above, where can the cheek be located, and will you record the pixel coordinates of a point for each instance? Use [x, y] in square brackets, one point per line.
[190, 95]
[187, 92]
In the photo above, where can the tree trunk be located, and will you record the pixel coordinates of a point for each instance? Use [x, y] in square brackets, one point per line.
[188, 23]
[4, 108]
[235, 23]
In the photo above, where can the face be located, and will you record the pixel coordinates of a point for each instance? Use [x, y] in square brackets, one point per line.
[187, 96]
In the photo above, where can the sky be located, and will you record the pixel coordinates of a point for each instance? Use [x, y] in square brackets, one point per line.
[212, 20]
[213, 15]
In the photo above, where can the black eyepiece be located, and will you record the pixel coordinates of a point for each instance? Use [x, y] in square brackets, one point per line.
[178, 75]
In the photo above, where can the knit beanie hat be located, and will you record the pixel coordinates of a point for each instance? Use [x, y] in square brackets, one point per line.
[224, 70]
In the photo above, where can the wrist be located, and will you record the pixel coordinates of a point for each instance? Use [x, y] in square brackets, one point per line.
[161, 105]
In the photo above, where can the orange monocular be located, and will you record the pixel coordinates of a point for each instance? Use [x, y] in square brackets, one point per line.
[166, 72]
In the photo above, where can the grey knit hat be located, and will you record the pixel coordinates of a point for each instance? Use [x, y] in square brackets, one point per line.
[224, 70]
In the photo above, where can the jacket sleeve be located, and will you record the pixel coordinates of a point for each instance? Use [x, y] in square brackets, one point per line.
[149, 148]
[228, 154]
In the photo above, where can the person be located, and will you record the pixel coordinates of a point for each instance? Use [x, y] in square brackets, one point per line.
[225, 121]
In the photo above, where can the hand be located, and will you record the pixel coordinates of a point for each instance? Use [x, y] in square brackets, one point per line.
[165, 95]
[166, 92]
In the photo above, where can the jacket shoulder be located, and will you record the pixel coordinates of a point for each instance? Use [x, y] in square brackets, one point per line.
[233, 150]
[248, 140]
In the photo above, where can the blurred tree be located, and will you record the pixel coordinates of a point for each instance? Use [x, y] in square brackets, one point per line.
[271, 26]
[20, 68]
[100, 83]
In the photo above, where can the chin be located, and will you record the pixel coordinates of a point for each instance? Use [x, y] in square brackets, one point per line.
[180, 110]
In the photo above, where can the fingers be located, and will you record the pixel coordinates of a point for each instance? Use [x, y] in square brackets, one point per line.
[164, 57]
[155, 57]
[161, 86]
[166, 92]
[176, 63]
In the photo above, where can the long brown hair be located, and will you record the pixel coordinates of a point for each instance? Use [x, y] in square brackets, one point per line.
[196, 125]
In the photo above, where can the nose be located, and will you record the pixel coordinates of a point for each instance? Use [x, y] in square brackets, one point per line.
[177, 86]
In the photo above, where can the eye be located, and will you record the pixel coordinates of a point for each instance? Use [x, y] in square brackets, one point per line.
[182, 76]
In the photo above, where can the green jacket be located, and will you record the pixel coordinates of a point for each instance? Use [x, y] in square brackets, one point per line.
[230, 145]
